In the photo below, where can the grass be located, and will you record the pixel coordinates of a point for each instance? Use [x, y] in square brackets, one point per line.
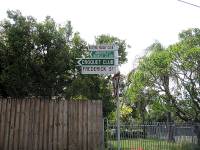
[144, 144]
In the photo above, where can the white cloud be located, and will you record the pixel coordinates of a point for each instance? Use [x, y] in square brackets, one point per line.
[140, 22]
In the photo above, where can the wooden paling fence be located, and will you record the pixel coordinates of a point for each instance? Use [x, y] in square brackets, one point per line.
[39, 124]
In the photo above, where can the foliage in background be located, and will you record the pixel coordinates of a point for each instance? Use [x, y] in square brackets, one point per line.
[169, 80]
[108, 39]
[39, 59]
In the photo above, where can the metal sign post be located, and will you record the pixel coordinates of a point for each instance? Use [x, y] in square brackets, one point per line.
[116, 79]
[118, 120]
[104, 60]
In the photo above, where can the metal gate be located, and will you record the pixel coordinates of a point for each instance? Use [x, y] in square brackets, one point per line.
[149, 136]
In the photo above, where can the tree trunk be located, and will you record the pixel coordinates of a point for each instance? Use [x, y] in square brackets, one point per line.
[197, 132]
[170, 128]
[144, 126]
[165, 80]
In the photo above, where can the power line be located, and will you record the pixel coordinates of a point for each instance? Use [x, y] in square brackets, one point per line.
[189, 3]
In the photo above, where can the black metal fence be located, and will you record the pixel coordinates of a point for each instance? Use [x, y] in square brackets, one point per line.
[151, 136]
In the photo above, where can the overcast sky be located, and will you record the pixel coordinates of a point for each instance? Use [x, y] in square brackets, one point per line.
[139, 22]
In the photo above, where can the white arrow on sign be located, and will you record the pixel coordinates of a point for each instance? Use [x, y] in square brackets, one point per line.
[96, 62]
[79, 62]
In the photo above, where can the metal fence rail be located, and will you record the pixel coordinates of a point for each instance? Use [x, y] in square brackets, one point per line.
[150, 136]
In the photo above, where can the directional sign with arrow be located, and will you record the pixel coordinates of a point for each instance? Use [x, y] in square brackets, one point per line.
[102, 54]
[96, 62]
[103, 60]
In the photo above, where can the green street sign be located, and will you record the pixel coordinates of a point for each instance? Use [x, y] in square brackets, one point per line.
[102, 54]
[96, 62]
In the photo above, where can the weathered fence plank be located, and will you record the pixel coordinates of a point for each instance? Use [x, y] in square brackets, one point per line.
[11, 136]
[80, 127]
[31, 125]
[90, 136]
[1, 104]
[36, 125]
[3, 114]
[61, 125]
[65, 125]
[7, 124]
[50, 113]
[55, 116]
[26, 123]
[21, 130]
[43, 124]
[46, 125]
[85, 125]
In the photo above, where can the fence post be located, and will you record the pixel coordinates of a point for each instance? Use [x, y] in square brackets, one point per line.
[103, 134]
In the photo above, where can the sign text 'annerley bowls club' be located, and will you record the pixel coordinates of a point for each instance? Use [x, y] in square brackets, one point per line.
[102, 47]
[102, 54]
[96, 62]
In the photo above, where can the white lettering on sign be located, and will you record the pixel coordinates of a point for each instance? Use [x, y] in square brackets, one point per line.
[99, 69]
[90, 62]
[102, 47]
[96, 62]
[108, 62]
[103, 60]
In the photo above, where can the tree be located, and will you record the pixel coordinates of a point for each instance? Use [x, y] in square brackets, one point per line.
[39, 59]
[35, 57]
[174, 76]
[107, 39]
[146, 80]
